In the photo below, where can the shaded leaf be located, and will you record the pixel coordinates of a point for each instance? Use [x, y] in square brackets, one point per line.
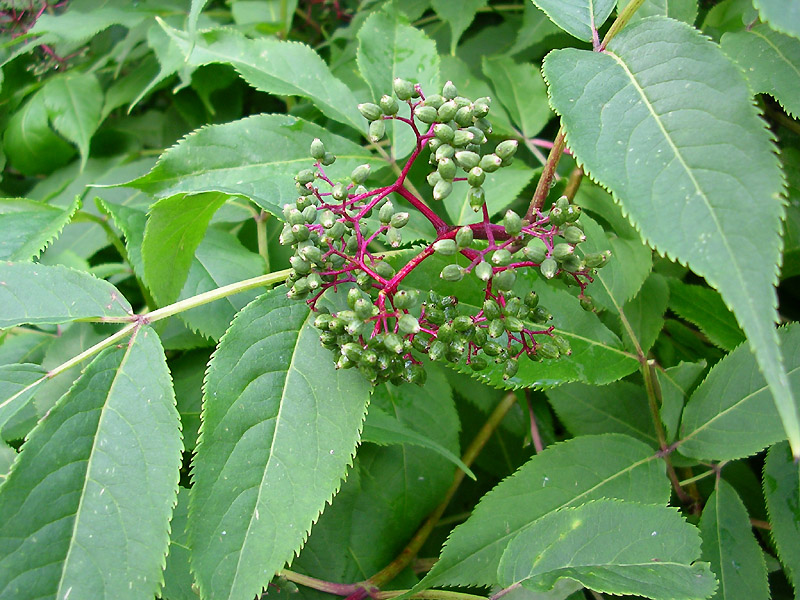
[536, 26]
[280, 426]
[178, 579]
[782, 492]
[256, 157]
[519, 87]
[28, 227]
[682, 10]
[652, 162]
[731, 548]
[782, 16]
[730, 415]
[580, 18]
[92, 491]
[613, 547]
[17, 384]
[675, 384]
[187, 376]
[458, 15]
[644, 314]
[565, 474]
[770, 62]
[175, 227]
[704, 307]
[38, 294]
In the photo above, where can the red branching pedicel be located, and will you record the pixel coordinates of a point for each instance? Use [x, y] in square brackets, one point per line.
[387, 331]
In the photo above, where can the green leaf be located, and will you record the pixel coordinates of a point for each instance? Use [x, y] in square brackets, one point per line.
[28, 227]
[675, 384]
[782, 492]
[178, 579]
[613, 547]
[175, 228]
[187, 376]
[619, 407]
[781, 15]
[93, 489]
[770, 62]
[519, 87]
[17, 384]
[38, 294]
[580, 18]
[132, 223]
[7, 457]
[730, 414]
[459, 15]
[682, 10]
[219, 260]
[74, 103]
[565, 474]
[646, 151]
[87, 18]
[731, 548]
[536, 26]
[382, 429]
[644, 314]
[388, 47]
[704, 307]
[256, 157]
[274, 66]
[280, 426]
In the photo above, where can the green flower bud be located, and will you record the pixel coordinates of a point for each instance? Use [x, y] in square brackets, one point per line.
[483, 271]
[505, 280]
[464, 236]
[512, 306]
[572, 213]
[562, 202]
[433, 145]
[337, 230]
[386, 212]
[574, 235]
[363, 308]
[388, 105]
[532, 300]
[408, 324]
[287, 237]
[434, 100]
[501, 257]
[368, 357]
[442, 190]
[540, 315]
[548, 350]
[490, 163]
[484, 125]
[535, 251]
[310, 213]
[478, 137]
[548, 268]
[404, 299]
[446, 333]
[491, 309]
[476, 177]
[304, 202]
[449, 90]
[493, 349]
[352, 351]
[328, 159]
[446, 247]
[339, 191]
[370, 111]
[434, 315]
[447, 169]
[360, 174]
[304, 190]
[415, 374]
[461, 138]
[300, 232]
[587, 304]
[463, 116]
[317, 149]
[496, 328]
[305, 176]
[557, 216]
[344, 362]
[452, 273]
[562, 251]
[457, 348]
[562, 345]
[433, 178]
[444, 151]
[596, 260]
[572, 264]
[506, 149]
[420, 344]
[384, 269]
[510, 369]
[478, 363]
[298, 264]
[514, 324]
[314, 281]
[377, 129]
[426, 114]
[393, 343]
[480, 108]
[437, 350]
[447, 111]
[322, 321]
[311, 254]
[512, 223]
[300, 288]
[403, 89]
[295, 217]
[399, 220]
[443, 132]
[462, 323]
[476, 198]
[467, 160]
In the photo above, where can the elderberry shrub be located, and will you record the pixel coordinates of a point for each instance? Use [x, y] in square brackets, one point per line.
[387, 331]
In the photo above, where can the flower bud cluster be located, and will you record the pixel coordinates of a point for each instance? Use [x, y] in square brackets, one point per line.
[386, 332]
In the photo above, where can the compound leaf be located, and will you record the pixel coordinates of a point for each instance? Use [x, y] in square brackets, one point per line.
[731, 548]
[256, 157]
[27, 227]
[613, 547]
[87, 504]
[730, 415]
[580, 18]
[685, 196]
[38, 294]
[782, 492]
[565, 474]
[280, 426]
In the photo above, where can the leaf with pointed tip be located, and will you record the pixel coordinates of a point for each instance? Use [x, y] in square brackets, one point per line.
[536, 26]
[782, 493]
[175, 227]
[731, 548]
[704, 307]
[87, 18]
[388, 47]
[519, 87]
[770, 62]
[565, 474]
[676, 383]
[781, 15]
[682, 10]
[383, 429]
[580, 18]
[178, 578]
[613, 547]
[92, 492]
[643, 146]
[17, 383]
[644, 314]
[730, 415]
[459, 15]
[280, 425]
[256, 157]
[28, 227]
[39, 294]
